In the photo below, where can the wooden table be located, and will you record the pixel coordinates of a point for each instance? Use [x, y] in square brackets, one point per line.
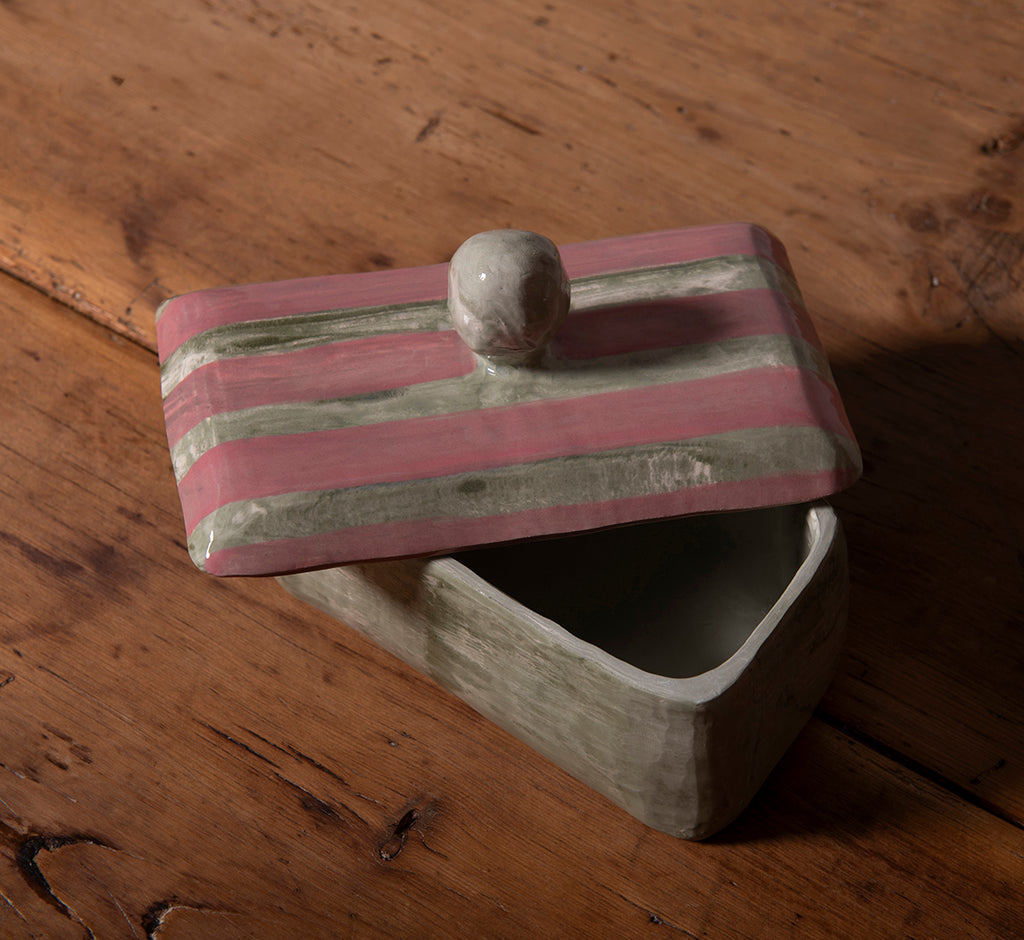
[182, 756]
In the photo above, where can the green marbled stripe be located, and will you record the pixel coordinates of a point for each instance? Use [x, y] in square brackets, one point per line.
[622, 473]
[301, 331]
[572, 379]
[686, 279]
[298, 331]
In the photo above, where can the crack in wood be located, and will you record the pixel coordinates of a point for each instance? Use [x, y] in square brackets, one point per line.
[314, 804]
[239, 744]
[308, 800]
[934, 777]
[121, 911]
[156, 914]
[295, 753]
[416, 815]
[26, 849]
[512, 122]
[13, 906]
[318, 807]
[392, 846]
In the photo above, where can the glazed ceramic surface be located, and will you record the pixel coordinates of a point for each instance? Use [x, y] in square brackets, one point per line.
[340, 419]
[323, 428]
[667, 665]
[508, 294]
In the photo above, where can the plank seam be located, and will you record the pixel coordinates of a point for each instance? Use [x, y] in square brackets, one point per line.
[87, 311]
[917, 767]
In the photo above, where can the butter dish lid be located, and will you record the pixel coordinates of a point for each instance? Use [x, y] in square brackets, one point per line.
[339, 419]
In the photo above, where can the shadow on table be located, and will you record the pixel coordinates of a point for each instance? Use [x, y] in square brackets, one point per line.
[931, 677]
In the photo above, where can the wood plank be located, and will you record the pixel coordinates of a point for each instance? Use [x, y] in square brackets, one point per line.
[149, 149]
[157, 148]
[207, 756]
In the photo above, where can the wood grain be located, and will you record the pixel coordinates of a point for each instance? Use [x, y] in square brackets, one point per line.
[228, 142]
[179, 752]
[210, 757]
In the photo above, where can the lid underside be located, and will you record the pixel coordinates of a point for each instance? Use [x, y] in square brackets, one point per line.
[341, 419]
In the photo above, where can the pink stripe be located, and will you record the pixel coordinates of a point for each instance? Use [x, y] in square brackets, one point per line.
[442, 445]
[396, 360]
[190, 314]
[334, 370]
[431, 536]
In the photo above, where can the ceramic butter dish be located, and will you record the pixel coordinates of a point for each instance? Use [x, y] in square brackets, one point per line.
[581, 490]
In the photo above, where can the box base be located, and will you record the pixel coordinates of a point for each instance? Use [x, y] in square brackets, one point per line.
[667, 665]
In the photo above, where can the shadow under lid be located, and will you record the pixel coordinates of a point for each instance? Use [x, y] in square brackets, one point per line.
[676, 598]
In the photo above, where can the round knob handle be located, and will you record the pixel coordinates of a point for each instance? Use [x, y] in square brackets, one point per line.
[508, 294]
